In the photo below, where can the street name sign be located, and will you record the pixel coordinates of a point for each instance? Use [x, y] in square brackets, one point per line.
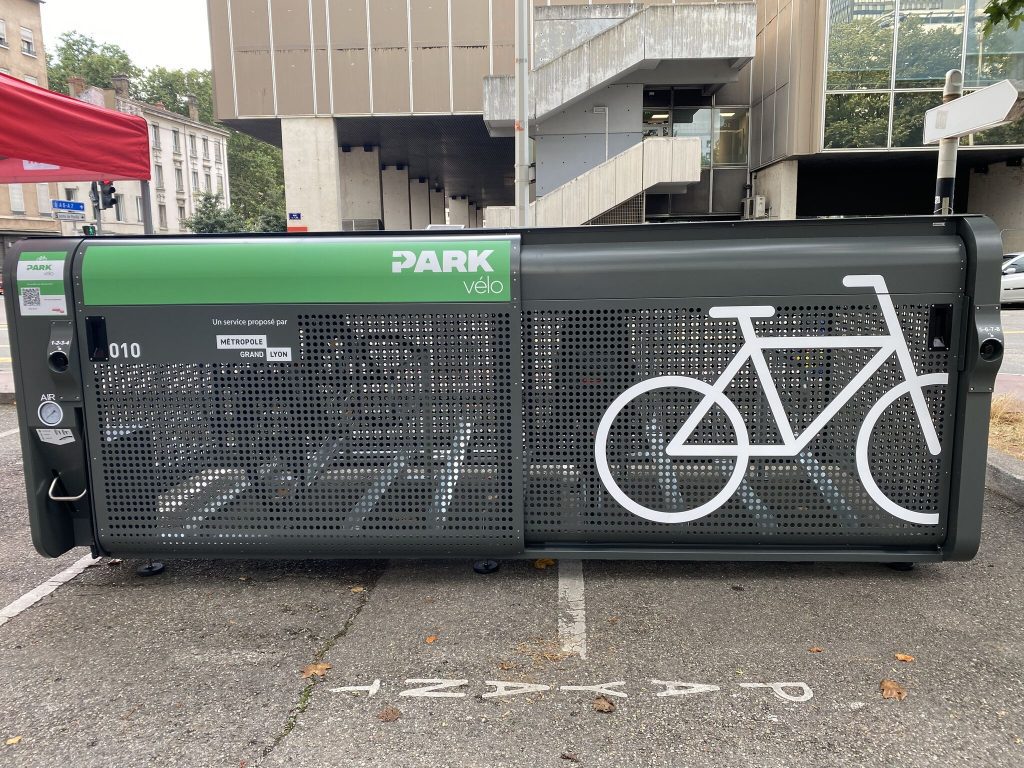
[985, 108]
[72, 206]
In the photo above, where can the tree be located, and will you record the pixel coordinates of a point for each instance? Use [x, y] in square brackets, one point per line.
[211, 217]
[80, 55]
[1008, 12]
[172, 87]
[257, 178]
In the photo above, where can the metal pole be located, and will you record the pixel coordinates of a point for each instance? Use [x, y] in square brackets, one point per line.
[945, 175]
[94, 197]
[522, 124]
[147, 209]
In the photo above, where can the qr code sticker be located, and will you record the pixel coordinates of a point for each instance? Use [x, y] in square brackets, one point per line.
[30, 297]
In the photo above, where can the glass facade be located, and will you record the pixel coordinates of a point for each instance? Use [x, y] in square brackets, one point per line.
[887, 60]
[724, 136]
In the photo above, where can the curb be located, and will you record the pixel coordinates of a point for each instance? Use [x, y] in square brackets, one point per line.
[1005, 475]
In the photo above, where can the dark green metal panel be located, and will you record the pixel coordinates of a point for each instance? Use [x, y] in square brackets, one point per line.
[751, 390]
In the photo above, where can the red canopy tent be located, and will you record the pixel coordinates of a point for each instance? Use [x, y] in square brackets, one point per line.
[46, 136]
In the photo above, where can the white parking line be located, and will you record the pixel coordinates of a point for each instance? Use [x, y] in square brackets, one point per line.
[32, 597]
[9, 432]
[572, 612]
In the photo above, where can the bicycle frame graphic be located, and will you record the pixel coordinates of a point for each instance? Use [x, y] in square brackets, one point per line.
[752, 350]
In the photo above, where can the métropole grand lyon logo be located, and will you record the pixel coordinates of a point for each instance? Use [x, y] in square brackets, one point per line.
[469, 262]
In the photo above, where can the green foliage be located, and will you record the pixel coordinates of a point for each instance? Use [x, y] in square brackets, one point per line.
[257, 178]
[80, 55]
[211, 217]
[173, 86]
[1008, 12]
[856, 120]
[255, 167]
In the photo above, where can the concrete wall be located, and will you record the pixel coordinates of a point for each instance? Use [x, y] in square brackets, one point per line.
[312, 176]
[437, 212]
[360, 183]
[458, 211]
[394, 185]
[557, 28]
[778, 184]
[786, 80]
[419, 203]
[572, 141]
[999, 194]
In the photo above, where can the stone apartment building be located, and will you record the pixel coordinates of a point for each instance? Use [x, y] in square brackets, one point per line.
[24, 208]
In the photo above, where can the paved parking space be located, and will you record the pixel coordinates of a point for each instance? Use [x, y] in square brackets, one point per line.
[202, 666]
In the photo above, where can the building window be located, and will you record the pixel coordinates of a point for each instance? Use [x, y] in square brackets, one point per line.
[162, 214]
[3, 33]
[206, 148]
[159, 177]
[181, 212]
[28, 42]
[43, 200]
[31, 80]
[216, 150]
[176, 139]
[192, 144]
[70, 193]
[139, 214]
[119, 212]
[17, 195]
[156, 136]
[220, 184]
[195, 181]
[729, 137]
[207, 185]
[179, 179]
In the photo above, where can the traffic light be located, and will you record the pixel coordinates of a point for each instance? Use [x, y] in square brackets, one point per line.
[89, 229]
[107, 194]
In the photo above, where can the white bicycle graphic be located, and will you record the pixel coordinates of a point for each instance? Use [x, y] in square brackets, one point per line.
[752, 349]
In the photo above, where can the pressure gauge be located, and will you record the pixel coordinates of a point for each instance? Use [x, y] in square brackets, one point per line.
[50, 413]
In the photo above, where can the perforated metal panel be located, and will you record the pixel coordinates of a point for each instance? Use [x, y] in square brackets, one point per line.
[389, 434]
[580, 357]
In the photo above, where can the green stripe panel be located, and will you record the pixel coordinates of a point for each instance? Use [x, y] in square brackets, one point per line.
[298, 271]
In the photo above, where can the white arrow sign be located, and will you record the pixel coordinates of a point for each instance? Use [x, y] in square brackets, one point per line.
[986, 108]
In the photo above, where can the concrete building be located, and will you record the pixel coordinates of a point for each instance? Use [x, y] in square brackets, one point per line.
[644, 111]
[24, 208]
[188, 158]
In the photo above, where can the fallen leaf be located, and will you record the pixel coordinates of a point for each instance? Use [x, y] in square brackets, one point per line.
[114, 562]
[613, 619]
[736, 588]
[544, 562]
[389, 714]
[431, 639]
[892, 690]
[815, 649]
[505, 666]
[243, 578]
[603, 704]
[358, 588]
[572, 757]
[12, 741]
[904, 657]
[315, 669]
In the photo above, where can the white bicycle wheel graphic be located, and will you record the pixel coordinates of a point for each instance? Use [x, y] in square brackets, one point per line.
[864, 447]
[740, 450]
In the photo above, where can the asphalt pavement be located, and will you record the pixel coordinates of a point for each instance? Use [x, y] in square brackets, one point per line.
[1011, 372]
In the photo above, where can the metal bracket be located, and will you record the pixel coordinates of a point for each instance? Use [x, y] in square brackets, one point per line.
[64, 498]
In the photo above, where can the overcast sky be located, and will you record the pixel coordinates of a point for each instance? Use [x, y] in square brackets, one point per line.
[167, 33]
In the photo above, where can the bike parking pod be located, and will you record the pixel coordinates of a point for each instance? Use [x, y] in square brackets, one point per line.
[807, 390]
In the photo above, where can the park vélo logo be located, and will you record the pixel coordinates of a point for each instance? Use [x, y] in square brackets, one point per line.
[454, 261]
[793, 445]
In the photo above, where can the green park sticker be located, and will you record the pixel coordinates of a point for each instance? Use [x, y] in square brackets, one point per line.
[40, 281]
[298, 271]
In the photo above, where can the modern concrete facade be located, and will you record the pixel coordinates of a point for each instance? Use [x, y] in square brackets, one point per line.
[188, 158]
[24, 208]
[414, 96]
[814, 105]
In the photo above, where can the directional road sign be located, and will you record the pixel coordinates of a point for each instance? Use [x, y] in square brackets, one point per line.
[986, 108]
[67, 205]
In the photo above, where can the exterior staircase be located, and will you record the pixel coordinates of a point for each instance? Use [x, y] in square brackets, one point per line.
[668, 163]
